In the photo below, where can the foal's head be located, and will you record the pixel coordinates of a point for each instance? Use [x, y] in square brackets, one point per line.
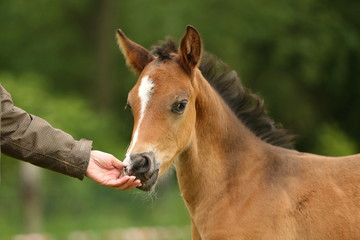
[163, 105]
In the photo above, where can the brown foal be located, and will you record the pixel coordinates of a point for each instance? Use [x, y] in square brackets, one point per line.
[237, 176]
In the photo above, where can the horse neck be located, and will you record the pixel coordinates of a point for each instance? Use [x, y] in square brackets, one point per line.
[221, 150]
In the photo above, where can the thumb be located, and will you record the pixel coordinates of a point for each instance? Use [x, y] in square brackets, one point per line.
[117, 163]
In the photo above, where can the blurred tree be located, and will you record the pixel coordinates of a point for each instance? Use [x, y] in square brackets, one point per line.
[106, 33]
[31, 201]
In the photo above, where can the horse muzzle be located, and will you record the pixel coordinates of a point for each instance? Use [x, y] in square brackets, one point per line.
[144, 167]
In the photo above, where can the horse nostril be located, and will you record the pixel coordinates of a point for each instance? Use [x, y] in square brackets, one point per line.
[143, 166]
[125, 170]
[141, 163]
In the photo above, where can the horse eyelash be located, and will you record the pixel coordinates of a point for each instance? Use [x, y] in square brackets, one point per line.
[127, 106]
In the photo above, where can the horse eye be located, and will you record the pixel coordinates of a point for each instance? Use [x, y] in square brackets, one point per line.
[179, 107]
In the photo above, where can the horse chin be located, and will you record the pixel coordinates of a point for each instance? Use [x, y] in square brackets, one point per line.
[149, 183]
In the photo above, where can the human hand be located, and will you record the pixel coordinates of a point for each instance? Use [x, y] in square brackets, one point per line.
[105, 169]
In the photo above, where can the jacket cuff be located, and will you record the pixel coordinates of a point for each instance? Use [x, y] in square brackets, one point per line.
[80, 156]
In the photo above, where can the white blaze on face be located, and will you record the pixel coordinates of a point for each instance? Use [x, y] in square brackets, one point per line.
[144, 93]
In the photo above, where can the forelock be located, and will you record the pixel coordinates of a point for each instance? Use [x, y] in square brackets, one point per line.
[165, 50]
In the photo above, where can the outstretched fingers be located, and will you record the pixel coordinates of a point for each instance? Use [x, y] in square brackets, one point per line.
[125, 183]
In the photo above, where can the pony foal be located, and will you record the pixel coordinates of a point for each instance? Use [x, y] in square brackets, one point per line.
[236, 173]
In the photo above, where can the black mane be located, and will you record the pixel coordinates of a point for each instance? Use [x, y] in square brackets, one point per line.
[248, 107]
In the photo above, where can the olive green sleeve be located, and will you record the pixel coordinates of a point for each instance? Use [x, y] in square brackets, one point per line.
[32, 139]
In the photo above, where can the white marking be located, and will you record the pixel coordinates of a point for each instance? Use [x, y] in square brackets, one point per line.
[144, 92]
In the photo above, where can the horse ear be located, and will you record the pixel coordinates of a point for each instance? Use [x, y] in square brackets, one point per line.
[136, 56]
[190, 49]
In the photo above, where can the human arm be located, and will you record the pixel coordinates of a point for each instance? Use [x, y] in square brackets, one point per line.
[32, 139]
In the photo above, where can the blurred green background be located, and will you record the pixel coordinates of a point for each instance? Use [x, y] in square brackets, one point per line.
[60, 61]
